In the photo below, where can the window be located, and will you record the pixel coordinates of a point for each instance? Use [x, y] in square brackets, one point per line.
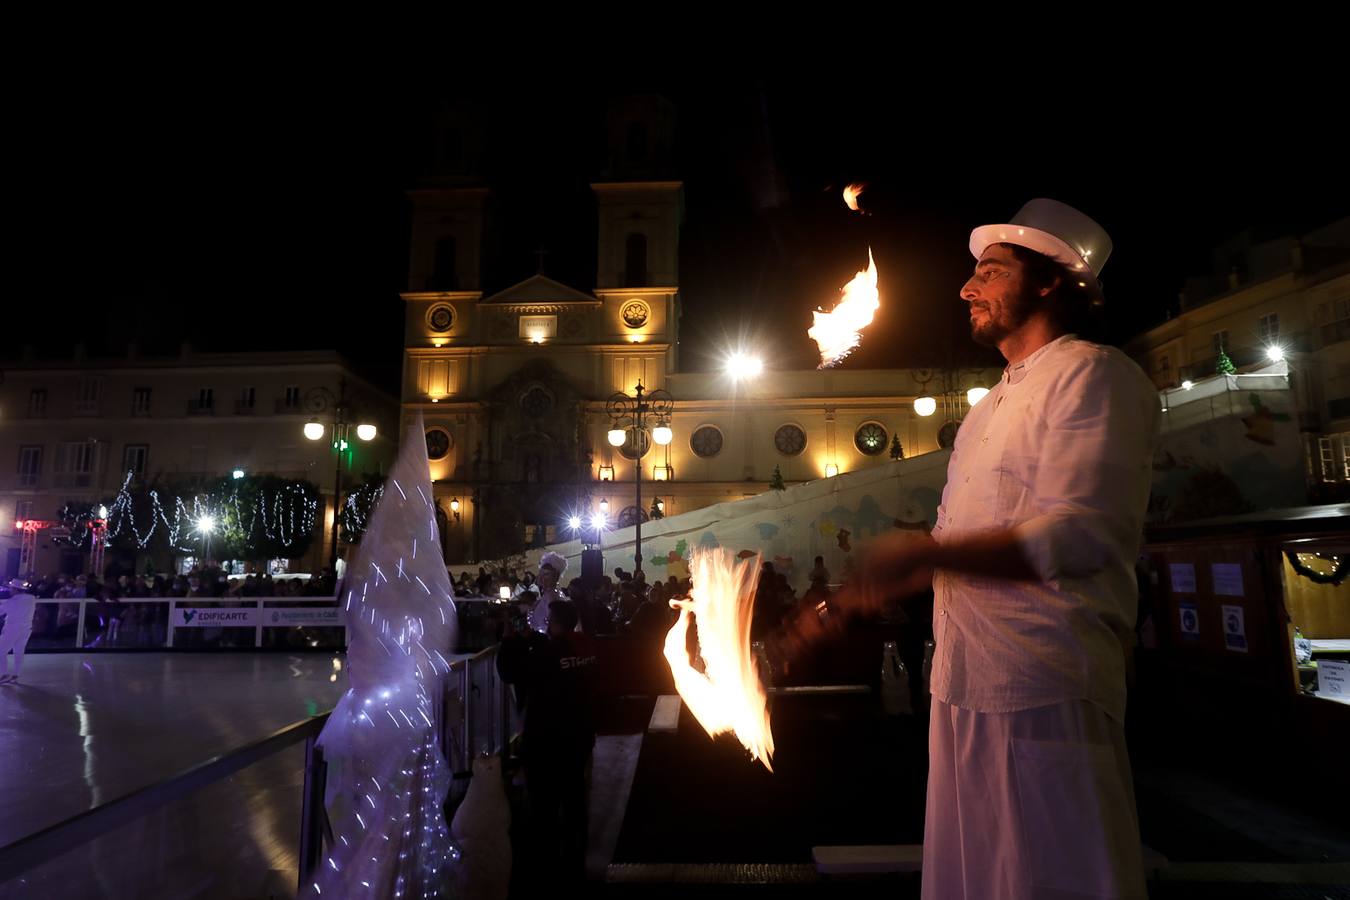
[1327, 454]
[1220, 340]
[247, 396]
[205, 402]
[1334, 321]
[439, 443]
[293, 397]
[134, 458]
[790, 440]
[632, 450]
[75, 463]
[433, 378]
[37, 403]
[870, 439]
[23, 510]
[140, 401]
[1268, 327]
[86, 396]
[536, 402]
[1345, 456]
[635, 261]
[706, 441]
[441, 318]
[30, 465]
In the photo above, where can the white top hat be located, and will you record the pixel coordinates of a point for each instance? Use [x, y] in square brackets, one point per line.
[1055, 230]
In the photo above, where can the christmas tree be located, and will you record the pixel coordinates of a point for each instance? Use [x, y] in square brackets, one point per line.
[1225, 365]
[897, 452]
[776, 482]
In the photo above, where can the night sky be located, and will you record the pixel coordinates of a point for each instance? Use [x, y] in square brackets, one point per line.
[273, 216]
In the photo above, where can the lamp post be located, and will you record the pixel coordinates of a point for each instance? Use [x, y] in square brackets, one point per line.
[343, 425]
[636, 411]
[99, 529]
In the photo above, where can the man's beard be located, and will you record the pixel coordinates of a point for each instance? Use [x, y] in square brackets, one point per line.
[1016, 309]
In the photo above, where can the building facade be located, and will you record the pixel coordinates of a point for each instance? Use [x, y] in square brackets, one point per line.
[1287, 296]
[75, 429]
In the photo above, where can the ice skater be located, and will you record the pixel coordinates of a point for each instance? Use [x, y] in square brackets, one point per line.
[18, 610]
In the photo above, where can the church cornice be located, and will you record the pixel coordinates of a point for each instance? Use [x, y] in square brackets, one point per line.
[535, 309]
[448, 296]
[637, 292]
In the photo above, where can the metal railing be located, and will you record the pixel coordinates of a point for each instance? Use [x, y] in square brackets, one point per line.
[475, 714]
[29, 852]
[476, 711]
[103, 625]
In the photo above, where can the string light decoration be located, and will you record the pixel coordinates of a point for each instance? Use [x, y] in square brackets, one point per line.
[387, 776]
[282, 514]
[1320, 568]
[357, 508]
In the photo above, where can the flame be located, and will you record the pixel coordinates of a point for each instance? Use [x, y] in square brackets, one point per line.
[851, 195]
[728, 695]
[836, 333]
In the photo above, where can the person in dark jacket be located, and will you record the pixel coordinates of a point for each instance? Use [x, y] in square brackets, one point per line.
[553, 674]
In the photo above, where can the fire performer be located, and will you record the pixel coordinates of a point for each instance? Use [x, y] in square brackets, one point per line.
[1029, 790]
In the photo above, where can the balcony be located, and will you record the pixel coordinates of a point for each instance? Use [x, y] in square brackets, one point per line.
[198, 408]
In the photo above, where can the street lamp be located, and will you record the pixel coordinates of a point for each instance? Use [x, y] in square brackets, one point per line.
[342, 433]
[743, 366]
[628, 420]
[206, 525]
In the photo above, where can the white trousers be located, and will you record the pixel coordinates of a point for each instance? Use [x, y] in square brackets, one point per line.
[14, 637]
[1037, 803]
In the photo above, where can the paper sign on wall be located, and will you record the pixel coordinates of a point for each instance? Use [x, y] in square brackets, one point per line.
[1190, 622]
[1183, 578]
[1234, 629]
[1227, 579]
[1333, 678]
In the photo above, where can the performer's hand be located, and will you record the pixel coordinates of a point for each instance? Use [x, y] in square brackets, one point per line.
[898, 565]
[805, 627]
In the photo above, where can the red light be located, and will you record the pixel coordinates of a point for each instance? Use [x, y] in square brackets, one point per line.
[18, 524]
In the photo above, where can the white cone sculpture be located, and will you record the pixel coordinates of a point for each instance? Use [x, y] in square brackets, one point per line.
[387, 779]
